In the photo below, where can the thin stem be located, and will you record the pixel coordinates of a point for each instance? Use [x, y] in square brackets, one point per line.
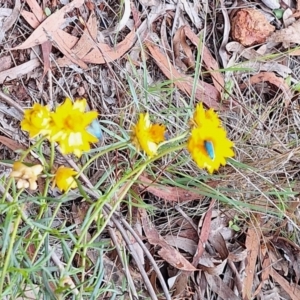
[25, 153]
[107, 150]
[52, 156]
[5, 193]
[97, 210]
[16, 224]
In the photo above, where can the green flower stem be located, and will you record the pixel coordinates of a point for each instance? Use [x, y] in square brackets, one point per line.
[83, 264]
[35, 230]
[43, 208]
[42, 237]
[15, 224]
[107, 150]
[175, 139]
[28, 221]
[104, 199]
[52, 156]
[7, 189]
[124, 144]
[99, 206]
[25, 153]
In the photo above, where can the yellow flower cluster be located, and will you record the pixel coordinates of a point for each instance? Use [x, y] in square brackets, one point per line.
[67, 125]
[208, 144]
[70, 126]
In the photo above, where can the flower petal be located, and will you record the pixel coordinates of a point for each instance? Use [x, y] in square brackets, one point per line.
[36, 120]
[202, 116]
[197, 146]
[147, 136]
[64, 178]
[70, 124]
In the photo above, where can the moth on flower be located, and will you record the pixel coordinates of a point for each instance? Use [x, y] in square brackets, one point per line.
[208, 143]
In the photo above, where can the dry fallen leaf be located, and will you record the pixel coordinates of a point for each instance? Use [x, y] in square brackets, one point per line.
[181, 284]
[179, 42]
[266, 268]
[77, 51]
[204, 234]
[252, 246]
[164, 37]
[292, 290]
[291, 251]
[209, 62]
[254, 64]
[190, 7]
[273, 4]
[287, 36]
[218, 242]
[11, 144]
[250, 27]
[167, 252]
[30, 18]
[219, 287]
[10, 20]
[272, 79]
[218, 269]
[20, 70]
[205, 92]
[226, 32]
[46, 50]
[125, 17]
[37, 10]
[168, 193]
[288, 18]
[5, 62]
[4, 12]
[185, 244]
[49, 27]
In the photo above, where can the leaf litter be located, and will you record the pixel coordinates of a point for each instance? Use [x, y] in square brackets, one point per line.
[255, 261]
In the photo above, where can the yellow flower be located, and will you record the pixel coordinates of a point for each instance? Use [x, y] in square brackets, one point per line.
[202, 116]
[69, 128]
[26, 176]
[147, 136]
[64, 178]
[209, 147]
[36, 120]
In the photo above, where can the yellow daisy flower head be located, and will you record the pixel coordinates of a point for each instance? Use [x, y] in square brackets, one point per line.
[36, 120]
[202, 116]
[147, 136]
[69, 128]
[26, 176]
[64, 179]
[209, 147]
